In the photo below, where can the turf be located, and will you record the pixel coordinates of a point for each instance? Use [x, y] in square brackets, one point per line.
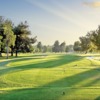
[50, 77]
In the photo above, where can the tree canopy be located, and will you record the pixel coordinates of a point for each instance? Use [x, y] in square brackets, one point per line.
[90, 42]
[15, 39]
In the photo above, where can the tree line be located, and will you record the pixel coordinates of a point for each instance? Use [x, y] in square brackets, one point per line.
[13, 38]
[56, 47]
[17, 38]
[89, 43]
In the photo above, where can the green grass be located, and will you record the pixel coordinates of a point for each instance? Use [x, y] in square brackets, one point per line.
[50, 77]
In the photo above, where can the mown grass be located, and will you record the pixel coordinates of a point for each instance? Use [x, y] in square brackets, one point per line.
[50, 77]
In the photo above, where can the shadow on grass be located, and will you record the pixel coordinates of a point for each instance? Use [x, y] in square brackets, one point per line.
[62, 60]
[56, 89]
[3, 65]
[20, 58]
[97, 80]
[26, 55]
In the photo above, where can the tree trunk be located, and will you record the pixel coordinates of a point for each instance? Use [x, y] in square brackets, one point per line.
[16, 53]
[12, 50]
[12, 53]
[7, 51]
[0, 54]
[1, 51]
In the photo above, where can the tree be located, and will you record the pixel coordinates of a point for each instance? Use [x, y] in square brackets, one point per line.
[69, 48]
[0, 44]
[89, 42]
[39, 46]
[23, 41]
[56, 47]
[2, 36]
[85, 43]
[92, 46]
[10, 37]
[45, 49]
[62, 47]
[95, 38]
[15, 38]
[77, 46]
[49, 48]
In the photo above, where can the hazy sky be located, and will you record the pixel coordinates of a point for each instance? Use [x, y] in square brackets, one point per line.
[50, 20]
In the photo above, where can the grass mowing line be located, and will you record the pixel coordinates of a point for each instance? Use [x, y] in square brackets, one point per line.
[51, 93]
[45, 70]
[31, 61]
[21, 57]
[7, 69]
[16, 83]
[56, 80]
[2, 90]
[4, 63]
[10, 60]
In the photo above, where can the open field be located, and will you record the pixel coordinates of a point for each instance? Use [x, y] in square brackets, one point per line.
[50, 77]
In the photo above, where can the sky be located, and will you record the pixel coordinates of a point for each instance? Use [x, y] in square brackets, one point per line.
[50, 20]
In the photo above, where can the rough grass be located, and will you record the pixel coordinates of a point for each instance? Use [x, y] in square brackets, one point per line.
[50, 77]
